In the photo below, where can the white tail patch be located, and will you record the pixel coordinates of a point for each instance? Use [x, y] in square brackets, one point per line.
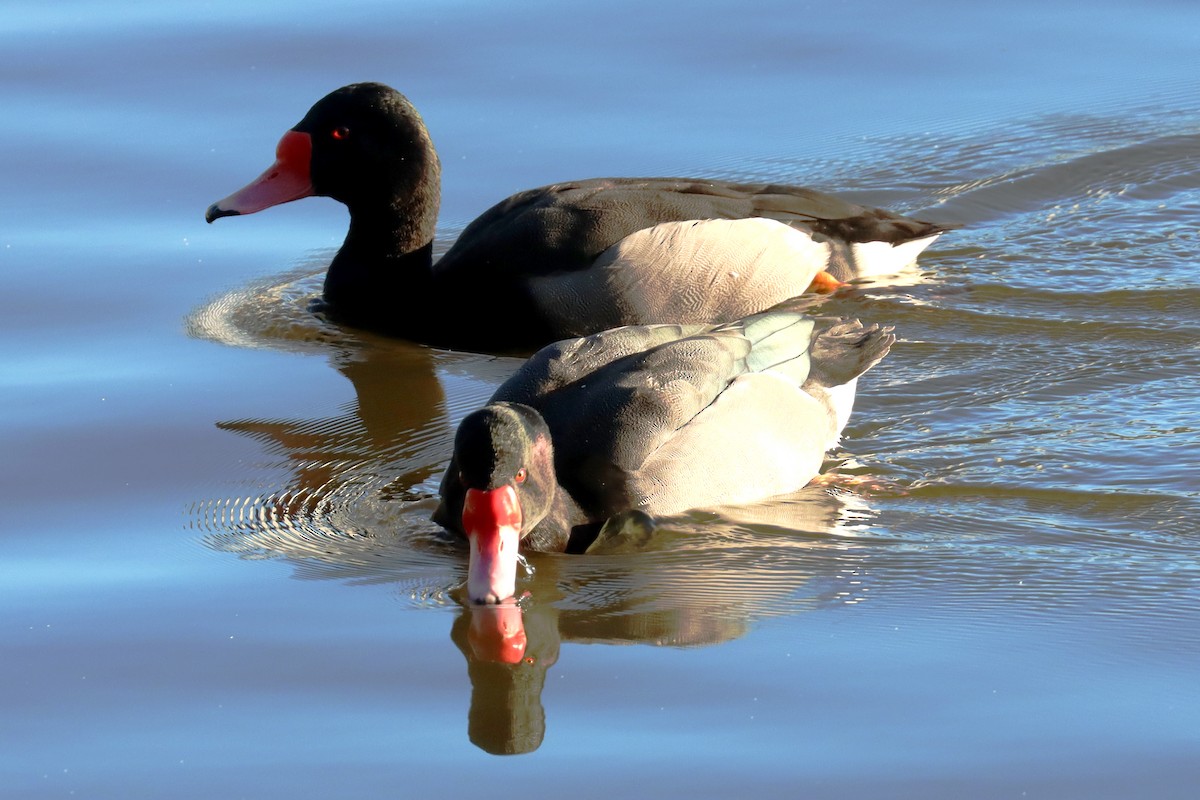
[882, 261]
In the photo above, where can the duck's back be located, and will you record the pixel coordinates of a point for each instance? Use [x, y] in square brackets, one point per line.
[566, 226]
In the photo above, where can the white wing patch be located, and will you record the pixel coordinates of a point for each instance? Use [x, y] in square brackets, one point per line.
[711, 269]
[693, 271]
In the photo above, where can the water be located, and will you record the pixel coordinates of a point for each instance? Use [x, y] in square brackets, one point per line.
[218, 579]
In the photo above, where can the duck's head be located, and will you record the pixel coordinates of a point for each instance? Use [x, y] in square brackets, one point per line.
[364, 145]
[505, 464]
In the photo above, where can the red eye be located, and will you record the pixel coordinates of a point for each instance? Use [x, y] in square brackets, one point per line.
[520, 476]
[341, 133]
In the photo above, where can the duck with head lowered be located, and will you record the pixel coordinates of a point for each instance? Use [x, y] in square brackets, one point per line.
[651, 420]
[564, 260]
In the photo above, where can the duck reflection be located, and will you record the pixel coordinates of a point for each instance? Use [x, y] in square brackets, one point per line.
[399, 422]
[701, 579]
[509, 650]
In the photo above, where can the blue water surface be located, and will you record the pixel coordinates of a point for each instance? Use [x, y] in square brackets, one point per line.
[217, 577]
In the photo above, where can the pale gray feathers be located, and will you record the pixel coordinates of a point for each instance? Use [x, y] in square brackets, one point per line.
[669, 417]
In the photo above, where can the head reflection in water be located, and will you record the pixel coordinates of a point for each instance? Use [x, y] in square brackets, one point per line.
[508, 651]
[497, 633]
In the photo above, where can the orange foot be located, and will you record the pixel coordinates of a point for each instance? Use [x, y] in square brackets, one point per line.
[824, 283]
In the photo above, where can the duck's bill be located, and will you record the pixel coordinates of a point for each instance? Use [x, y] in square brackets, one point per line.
[288, 179]
[492, 521]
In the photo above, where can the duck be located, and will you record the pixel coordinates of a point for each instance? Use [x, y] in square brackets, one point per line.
[565, 260]
[642, 421]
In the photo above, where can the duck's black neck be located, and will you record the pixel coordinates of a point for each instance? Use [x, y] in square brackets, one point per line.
[374, 290]
[383, 280]
[382, 276]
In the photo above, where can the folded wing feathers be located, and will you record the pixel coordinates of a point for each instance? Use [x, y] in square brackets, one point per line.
[844, 348]
[562, 363]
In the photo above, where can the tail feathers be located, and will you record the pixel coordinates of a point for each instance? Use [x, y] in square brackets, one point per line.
[844, 348]
[878, 225]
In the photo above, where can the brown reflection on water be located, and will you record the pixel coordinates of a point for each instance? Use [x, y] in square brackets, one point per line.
[703, 579]
[506, 716]
[397, 419]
